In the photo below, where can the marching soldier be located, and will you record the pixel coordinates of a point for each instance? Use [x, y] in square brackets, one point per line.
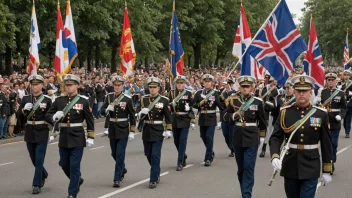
[32, 110]
[333, 100]
[226, 126]
[279, 102]
[182, 115]
[206, 101]
[69, 112]
[247, 112]
[303, 126]
[154, 110]
[348, 88]
[119, 108]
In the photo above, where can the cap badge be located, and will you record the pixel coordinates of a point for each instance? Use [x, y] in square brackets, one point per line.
[301, 80]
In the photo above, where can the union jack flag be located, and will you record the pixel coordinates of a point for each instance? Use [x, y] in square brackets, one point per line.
[313, 60]
[278, 43]
[346, 55]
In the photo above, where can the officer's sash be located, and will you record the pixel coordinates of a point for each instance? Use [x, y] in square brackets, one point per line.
[288, 102]
[246, 105]
[331, 97]
[298, 124]
[208, 96]
[348, 85]
[119, 99]
[151, 105]
[178, 97]
[36, 105]
[70, 105]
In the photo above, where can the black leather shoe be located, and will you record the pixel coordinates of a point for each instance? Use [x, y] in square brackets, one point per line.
[347, 135]
[116, 184]
[184, 163]
[207, 163]
[36, 190]
[152, 185]
[43, 183]
[262, 154]
[72, 196]
[123, 174]
[212, 157]
[231, 154]
[179, 168]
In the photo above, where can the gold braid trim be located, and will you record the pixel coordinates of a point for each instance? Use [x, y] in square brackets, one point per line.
[275, 155]
[132, 128]
[327, 167]
[282, 123]
[91, 134]
[262, 133]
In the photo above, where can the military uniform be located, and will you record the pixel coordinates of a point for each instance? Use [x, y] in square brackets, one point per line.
[301, 165]
[153, 129]
[207, 118]
[249, 126]
[37, 131]
[348, 117]
[336, 109]
[72, 135]
[226, 126]
[182, 116]
[122, 120]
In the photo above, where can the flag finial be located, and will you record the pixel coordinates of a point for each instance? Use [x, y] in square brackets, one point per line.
[125, 4]
[173, 6]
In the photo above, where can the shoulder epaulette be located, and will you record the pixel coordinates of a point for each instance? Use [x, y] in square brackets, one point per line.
[47, 96]
[85, 97]
[322, 109]
[258, 98]
[288, 106]
[111, 93]
[165, 97]
[146, 96]
[128, 96]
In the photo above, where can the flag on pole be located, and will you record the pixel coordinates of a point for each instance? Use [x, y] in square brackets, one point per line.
[70, 39]
[127, 51]
[313, 60]
[278, 43]
[34, 44]
[237, 46]
[61, 60]
[176, 54]
[346, 54]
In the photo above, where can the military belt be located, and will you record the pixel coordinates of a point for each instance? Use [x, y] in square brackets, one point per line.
[269, 103]
[206, 111]
[118, 119]
[68, 125]
[303, 147]
[243, 124]
[334, 110]
[35, 122]
[153, 122]
[181, 113]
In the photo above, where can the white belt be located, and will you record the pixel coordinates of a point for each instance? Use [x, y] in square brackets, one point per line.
[181, 113]
[303, 147]
[206, 111]
[246, 124]
[334, 110]
[35, 122]
[153, 122]
[118, 119]
[68, 125]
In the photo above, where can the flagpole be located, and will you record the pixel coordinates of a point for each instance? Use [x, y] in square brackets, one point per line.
[170, 53]
[265, 22]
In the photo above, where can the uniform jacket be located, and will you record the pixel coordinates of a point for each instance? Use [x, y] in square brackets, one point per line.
[224, 95]
[300, 163]
[181, 121]
[124, 109]
[338, 102]
[247, 136]
[71, 137]
[159, 112]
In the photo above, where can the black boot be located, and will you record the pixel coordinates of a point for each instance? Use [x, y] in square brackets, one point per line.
[123, 174]
[36, 190]
[184, 163]
[262, 154]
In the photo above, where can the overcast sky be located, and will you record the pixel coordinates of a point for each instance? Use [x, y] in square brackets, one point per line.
[295, 7]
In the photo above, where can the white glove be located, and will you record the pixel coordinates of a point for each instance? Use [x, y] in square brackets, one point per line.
[193, 126]
[167, 134]
[338, 118]
[262, 140]
[58, 115]
[349, 93]
[144, 111]
[110, 108]
[106, 131]
[28, 106]
[203, 96]
[51, 139]
[187, 108]
[131, 136]
[90, 142]
[218, 125]
[326, 178]
[316, 100]
[276, 163]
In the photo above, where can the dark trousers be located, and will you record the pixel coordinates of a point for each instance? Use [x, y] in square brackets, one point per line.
[180, 141]
[152, 150]
[227, 132]
[334, 142]
[37, 154]
[118, 152]
[245, 159]
[347, 120]
[300, 188]
[70, 162]
[207, 135]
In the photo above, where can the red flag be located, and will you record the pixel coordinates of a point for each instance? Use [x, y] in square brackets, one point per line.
[127, 52]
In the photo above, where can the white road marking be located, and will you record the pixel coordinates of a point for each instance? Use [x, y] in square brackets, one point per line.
[96, 148]
[202, 163]
[6, 163]
[129, 187]
[53, 143]
[98, 134]
[189, 165]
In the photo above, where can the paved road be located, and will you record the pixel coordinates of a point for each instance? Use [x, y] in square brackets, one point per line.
[219, 180]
